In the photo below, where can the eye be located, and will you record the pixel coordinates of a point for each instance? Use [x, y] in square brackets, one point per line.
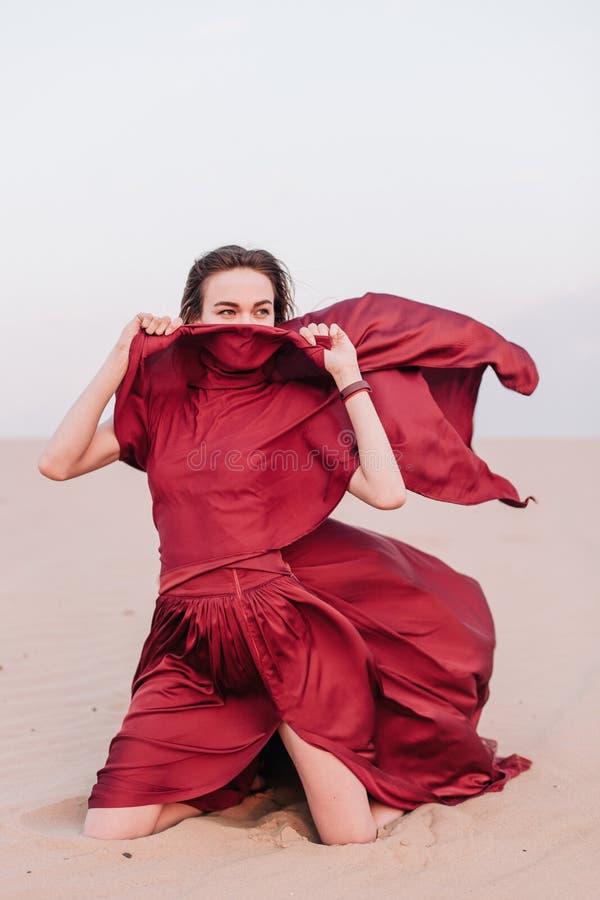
[264, 311]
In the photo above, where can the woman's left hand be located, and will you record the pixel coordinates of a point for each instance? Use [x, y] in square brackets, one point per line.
[342, 356]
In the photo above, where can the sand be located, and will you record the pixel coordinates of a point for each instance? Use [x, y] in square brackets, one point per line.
[79, 582]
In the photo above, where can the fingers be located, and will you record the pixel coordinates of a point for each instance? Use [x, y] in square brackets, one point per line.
[175, 323]
[308, 331]
[158, 324]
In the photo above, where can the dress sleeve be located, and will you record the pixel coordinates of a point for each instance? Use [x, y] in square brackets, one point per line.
[130, 418]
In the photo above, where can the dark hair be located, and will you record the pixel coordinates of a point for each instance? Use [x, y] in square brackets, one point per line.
[233, 256]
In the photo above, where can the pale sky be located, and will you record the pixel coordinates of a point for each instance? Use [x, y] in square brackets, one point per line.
[445, 152]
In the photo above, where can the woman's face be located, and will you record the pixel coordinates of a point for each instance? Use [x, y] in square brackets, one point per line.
[242, 296]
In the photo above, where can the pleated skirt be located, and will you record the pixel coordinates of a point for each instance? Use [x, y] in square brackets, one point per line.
[368, 648]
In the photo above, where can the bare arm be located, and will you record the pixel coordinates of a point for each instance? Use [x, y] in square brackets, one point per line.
[80, 444]
[378, 480]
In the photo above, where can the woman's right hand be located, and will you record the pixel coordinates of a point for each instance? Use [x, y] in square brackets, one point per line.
[150, 324]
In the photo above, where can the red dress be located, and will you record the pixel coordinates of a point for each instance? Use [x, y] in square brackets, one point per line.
[268, 609]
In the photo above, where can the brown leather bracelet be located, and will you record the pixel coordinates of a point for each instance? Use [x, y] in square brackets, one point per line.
[350, 389]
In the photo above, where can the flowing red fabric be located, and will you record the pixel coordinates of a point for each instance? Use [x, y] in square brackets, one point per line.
[268, 609]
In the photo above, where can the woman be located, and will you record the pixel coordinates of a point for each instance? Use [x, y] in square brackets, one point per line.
[241, 649]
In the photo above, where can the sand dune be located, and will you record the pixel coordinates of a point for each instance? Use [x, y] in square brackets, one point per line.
[79, 582]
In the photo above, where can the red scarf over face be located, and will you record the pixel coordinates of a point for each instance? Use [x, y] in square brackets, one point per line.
[247, 445]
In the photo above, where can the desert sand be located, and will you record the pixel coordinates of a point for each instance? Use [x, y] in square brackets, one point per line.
[79, 581]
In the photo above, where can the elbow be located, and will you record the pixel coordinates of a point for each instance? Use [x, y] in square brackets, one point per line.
[50, 470]
[392, 500]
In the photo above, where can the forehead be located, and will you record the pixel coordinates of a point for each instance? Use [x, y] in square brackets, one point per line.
[239, 285]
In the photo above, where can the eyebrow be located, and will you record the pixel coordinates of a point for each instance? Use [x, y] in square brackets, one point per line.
[233, 303]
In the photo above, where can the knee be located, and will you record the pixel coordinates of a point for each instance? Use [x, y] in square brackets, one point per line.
[105, 829]
[346, 835]
[112, 834]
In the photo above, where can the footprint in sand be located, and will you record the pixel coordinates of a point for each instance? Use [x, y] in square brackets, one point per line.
[62, 819]
[429, 832]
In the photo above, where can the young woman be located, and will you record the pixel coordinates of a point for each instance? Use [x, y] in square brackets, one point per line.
[276, 626]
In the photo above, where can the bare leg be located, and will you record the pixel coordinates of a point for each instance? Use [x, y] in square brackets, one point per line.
[128, 822]
[121, 822]
[338, 801]
[172, 813]
[341, 808]
[383, 814]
